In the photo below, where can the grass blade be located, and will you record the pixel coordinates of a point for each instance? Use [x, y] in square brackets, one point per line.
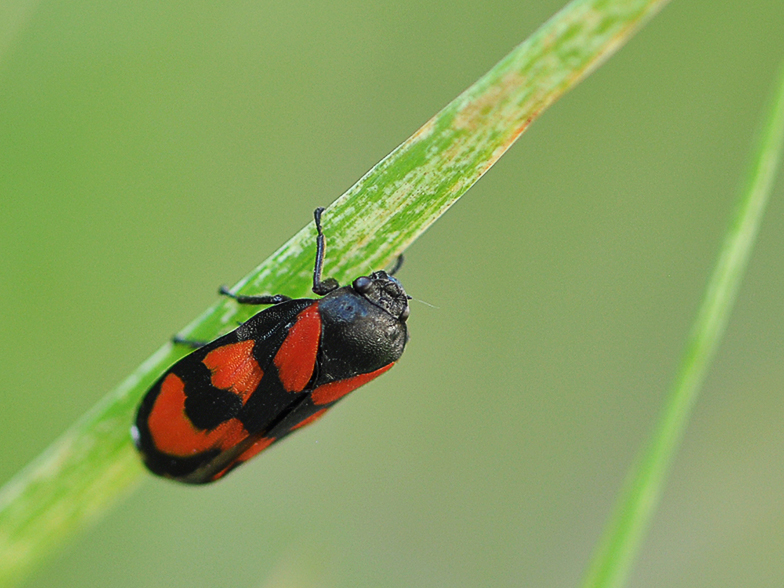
[93, 463]
[640, 497]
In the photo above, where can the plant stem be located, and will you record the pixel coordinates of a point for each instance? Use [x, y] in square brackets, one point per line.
[93, 463]
[640, 497]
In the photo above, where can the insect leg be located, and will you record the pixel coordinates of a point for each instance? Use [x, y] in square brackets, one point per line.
[321, 287]
[397, 266]
[263, 299]
[177, 340]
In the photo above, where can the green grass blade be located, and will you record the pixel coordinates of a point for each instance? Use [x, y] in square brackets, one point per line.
[93, 464]
[623, 537]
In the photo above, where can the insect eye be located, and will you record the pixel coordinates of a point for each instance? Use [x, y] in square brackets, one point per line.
[362, 284]
[405, 313]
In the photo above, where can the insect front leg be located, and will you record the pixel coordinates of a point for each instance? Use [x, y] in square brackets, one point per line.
[397, 266]
[321, 287]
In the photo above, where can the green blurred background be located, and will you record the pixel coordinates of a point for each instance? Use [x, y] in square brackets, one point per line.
[150, 151]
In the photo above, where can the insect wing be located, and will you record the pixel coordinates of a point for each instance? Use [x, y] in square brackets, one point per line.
[212, 401]
[306, 409]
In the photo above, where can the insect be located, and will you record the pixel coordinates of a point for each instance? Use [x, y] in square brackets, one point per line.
[281, 370]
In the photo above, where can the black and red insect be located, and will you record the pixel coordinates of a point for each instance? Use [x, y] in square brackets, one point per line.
[281, 370]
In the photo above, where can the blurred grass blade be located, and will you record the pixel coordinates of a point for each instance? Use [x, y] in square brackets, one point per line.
[14, 16]
[93, 463]
[640, 497]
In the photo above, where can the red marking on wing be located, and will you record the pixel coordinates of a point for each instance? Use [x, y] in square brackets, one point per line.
[311, 419]
[335, 390]
[296, 358]
[234, 368]
[256, 448]
[220, 474]
[173, 432]
[259, 446]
